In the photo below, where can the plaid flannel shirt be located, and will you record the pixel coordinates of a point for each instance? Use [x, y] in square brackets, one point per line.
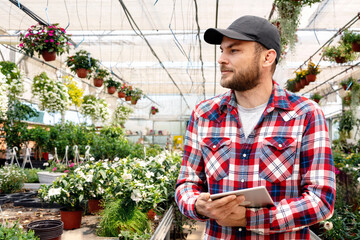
[288, 152]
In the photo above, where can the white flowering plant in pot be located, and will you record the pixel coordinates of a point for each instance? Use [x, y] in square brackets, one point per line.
[95, 108]
[12, 179]
[13, 78]
[52, 93]
[66, 191]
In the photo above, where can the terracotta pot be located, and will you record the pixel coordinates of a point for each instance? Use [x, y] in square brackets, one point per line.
[94, 205]
[47, 229]
[121, 94]
[304, 82]
[340, 59]
[82, 72]
[151, 214]
[133, 101]
[355, 46]
[153, 112]
[316, 100]
[127, 98]
[297, 87]
[98, 82]
[311, 78]
[71, 219]
[111, 89]
[48, 56]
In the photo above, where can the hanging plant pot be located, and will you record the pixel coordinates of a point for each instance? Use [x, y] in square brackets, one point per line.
[153, 112]
[47, 229]
[94, 205]
[311, 78]
[304, 82]
[297, 87]
[316, 100]
[98, 82]
[81, 72]
[127, 98]
[340, 59]
[71, 219]
[111, 89]
[121, 94]
[48, 56]
[355, 46]
[133, 101]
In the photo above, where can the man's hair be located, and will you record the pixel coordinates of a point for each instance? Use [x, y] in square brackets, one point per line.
[258, 49]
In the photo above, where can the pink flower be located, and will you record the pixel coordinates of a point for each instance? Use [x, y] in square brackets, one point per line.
[50, 34]
[21, 45]
[46, 40]
[54, 169]
[71, 165]
[337, 171]
[51, 40]
[66, 171]
[57, 43]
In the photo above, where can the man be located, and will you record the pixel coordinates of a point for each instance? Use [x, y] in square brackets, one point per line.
[256, 134]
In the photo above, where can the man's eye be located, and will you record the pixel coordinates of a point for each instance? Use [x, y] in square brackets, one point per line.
[234, 50]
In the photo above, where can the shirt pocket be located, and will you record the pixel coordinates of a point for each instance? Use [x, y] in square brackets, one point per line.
[277, 158]
[216, 154]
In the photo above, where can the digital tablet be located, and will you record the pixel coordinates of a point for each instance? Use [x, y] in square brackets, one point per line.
[254, 197]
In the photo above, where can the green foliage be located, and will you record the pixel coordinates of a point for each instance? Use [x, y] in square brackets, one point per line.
[117, 219]
[101, 73]
[82, 59]
[316, 96]
[16, 132]
[341, 51]
[15, 232]
[347, 122]
[12, 179]
[110, 82]
[31, 175]
[350, 37]
[13, 77]
[41, 137]
[121, 115]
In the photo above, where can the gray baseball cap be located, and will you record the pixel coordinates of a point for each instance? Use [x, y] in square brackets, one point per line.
[248, 28]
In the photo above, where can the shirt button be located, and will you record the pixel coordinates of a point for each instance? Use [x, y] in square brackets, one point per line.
[280, 145]
[240, 229]
[214, 146]
[242, 180]
[244, 155]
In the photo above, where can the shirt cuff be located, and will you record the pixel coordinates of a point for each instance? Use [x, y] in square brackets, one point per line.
[258, 220]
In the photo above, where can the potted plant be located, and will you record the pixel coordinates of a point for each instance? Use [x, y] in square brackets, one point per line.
[352, 38]
[128, 93]
[154, 110]
[347, 83]
[316, 97]
[52, 93]
[340, 54]
[16, 231]
[122, 90]
[81, 63]
[12, 179]
[136, 95]
[13, 78]
[121, 115]
[95, 108]
[68, 192]
[290, 85]
[111, 85]
[99, 76]
[48, 41]
[75, 92]
[312, 71]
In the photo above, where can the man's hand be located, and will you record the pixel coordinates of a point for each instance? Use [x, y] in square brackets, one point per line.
[220, 209]
[235, 219]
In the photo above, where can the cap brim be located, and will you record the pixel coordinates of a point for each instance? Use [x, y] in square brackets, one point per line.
[215, 35]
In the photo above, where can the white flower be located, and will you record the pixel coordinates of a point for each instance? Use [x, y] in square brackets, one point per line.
[149, 174]
[54, 191]
[89, 178]
[328, 225]
[127, 176]
[358, 179]
[46, 164]
[136, 195]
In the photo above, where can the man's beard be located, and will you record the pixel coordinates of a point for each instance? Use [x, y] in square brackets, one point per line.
[245, 79]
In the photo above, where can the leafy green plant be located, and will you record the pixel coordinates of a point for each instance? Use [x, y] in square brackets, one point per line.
[346, 122]
[13, 78]
[341, 51]
[101, 73]
[40, 136]
[136, 94]
[31, 175]
[312, 69]
[16, 232]
[110, 82]
[39, 38]
[82, 59]
[12, 179]
[116, 219]
[121, 115]
[350, 37]
[95, 108]
[316, 96]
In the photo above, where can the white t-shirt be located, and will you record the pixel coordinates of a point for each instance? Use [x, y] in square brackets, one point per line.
[249, 117]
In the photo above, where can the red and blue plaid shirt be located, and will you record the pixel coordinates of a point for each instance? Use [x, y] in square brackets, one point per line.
[288, 152]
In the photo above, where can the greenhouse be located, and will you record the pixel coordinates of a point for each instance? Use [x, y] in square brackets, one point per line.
[180, 119]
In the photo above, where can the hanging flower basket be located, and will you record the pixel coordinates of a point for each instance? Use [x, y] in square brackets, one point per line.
[134, 101]
[98, 82]
[45, 39]
[82, 72]
[111, 89]
[48, 56]
[127, 98]
[340, 59]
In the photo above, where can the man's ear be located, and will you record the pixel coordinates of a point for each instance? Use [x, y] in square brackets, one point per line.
[270, 58]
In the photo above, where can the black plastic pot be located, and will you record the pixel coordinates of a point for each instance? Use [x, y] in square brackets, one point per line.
[4, 200]
[47, 229]
[28, 202]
